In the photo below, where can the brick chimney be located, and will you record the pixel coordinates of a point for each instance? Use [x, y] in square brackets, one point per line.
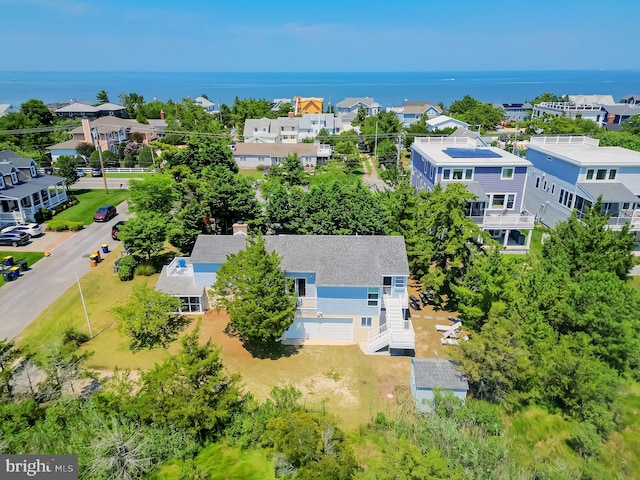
[161, 114]
[240, 229]
[86, 130]
[291, 115]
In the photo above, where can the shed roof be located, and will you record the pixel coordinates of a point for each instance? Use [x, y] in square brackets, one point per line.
[337, 260]
[178, 285]
[438, 373]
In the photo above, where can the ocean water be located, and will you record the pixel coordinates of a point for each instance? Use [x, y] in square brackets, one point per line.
[387, 88]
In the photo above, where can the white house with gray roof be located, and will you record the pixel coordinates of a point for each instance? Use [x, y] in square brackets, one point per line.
[570, 173]
[24, 191]
[351, 289]
[252, 155]
[7, 108]
[429, 375]
[352, 105]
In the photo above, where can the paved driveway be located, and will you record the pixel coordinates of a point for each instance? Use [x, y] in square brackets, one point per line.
[24, 299]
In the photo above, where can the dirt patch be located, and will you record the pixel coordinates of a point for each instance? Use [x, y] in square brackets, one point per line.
[319, 388]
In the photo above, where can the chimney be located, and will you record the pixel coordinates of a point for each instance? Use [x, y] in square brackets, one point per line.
[161, 114]
[86, 130]
[291, 115]
[240, 228]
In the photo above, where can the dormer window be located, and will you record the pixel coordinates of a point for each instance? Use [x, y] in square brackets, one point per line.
[34, 172]
[1, 182]
[14, 178]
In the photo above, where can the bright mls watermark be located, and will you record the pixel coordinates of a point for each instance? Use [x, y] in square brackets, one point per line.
[49, 467]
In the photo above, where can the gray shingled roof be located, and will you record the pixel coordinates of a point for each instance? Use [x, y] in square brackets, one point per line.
[336, 260]
[8, 155]
[612, 192]
[275, 149]
[351, 101]
[33, 185]
[438, 373]
[178, 285]
[78, 108]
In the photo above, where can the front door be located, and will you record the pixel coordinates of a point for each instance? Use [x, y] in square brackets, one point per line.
[301, 287]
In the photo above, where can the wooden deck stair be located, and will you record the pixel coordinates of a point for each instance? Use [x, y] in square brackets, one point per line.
[395, 333]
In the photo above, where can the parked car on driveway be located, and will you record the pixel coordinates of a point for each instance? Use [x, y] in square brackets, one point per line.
[115, 229]
[32, 229]
[80, 172]
[14, 238]
[105, 213]
[96, 172]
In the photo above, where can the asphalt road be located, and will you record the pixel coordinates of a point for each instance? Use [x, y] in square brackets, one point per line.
[96, 183]
[24, 299]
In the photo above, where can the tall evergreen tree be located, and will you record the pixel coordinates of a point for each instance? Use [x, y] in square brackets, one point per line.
[260, 300]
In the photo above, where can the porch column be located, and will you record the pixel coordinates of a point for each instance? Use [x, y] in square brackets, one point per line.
[22, 215]
[506, 238]
[529, 238]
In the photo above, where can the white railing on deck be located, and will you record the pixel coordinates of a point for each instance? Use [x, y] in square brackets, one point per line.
[307, 303]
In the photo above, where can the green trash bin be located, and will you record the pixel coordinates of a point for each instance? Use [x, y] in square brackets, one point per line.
[24, 266]
[7, 275]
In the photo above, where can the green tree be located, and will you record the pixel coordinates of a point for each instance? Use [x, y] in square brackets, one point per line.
[85, 150]
[228, 198]
[444, 243]
[311, 446]
[361, 116]
[460, 107]
[484, 115]
[150, 318]
[67, 165]
[259, 298]
[155, 193]
[145, 234]
[388, 126]
[577, 245]
[548, 97]
[285, 109]
[387, 154]
[36, 113]
[190, 390]
[132, 102]
[185, 226]
[290, 170]
[9, 353]
[632, 125]
[102, 97]
[205, 152]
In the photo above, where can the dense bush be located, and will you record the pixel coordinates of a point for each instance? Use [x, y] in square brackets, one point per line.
[127, 268]
[145, 270]
[61, 225]
[585, 440]
[73, 336]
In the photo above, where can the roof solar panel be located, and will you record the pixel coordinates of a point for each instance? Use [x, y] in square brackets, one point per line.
[471, 153]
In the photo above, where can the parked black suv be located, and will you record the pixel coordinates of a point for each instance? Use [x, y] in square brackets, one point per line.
[115, 229]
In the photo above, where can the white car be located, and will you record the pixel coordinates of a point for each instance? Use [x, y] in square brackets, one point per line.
[32, 229]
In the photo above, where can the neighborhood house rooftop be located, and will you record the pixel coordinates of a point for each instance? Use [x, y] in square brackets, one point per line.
[584, 151]
[471, 153]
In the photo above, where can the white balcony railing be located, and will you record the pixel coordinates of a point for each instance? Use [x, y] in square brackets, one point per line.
[504, 220]
[307, 303]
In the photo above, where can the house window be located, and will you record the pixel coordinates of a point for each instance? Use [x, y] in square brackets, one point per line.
[386, 285]
[511, 200]
[468, 174]
[432, 171]
[366, 321]
[561, 199]
[1, 182]
[14, 178]
[544, 185]
[612, 174]
[590, 174]
[457, 173]
[34, 172]
[446, 174]
[553, 187]
[426, 167]
[537, 182]
[498, 201]
[372, 297]
[400, 283]
[601, 174]
[507, 173]
[190, 304]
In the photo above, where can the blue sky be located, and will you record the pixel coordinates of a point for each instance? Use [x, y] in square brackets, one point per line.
[328, 35]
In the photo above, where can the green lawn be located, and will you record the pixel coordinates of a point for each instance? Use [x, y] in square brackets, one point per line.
[222, 462]
[252, 173]
[536, 240]
[90, 201]
[30, 257]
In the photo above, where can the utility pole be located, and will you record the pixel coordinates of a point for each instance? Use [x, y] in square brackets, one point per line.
[104, 177]
[84, 305]
[375, 147]
[399, 146]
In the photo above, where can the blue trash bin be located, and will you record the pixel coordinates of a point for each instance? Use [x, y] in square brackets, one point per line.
[105, 248]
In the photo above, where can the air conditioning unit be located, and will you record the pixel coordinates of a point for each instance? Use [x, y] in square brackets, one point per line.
[319, 314]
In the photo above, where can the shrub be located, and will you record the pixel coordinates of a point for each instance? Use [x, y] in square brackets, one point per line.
[61, 225]
[260, 168]
[72, 336]
[43, 215]
[127, 267]
[585, 440]
[145, 270]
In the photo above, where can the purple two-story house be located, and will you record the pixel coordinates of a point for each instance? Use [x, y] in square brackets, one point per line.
[495, 177]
